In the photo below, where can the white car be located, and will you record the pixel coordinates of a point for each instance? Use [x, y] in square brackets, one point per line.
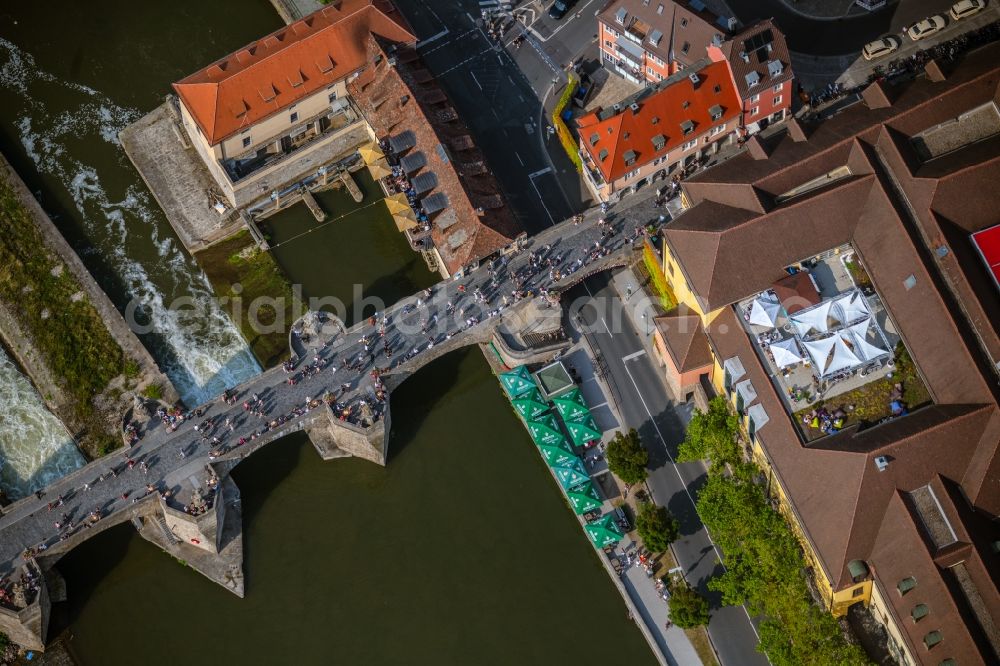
[965, 8]
[926, 28]
[880, 47]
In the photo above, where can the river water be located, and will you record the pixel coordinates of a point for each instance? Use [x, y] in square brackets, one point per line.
[460, 550]
[35, 448]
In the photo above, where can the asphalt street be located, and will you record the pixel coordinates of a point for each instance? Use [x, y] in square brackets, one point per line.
[497, 102]
[644, 404]
[839, 36]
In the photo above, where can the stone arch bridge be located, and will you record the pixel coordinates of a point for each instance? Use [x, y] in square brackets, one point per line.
[174, 485]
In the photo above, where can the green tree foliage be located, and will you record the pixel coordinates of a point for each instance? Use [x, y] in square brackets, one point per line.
[657, 528]
[627, 457]
[688, 609]
[712, 435]
[764, 561]
[764, 570]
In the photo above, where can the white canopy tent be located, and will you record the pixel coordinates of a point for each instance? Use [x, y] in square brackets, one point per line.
[858, 337]
[843, 358]
[786, 352]
[813, 319]
[819, 352]
[851, 307]
[764, 311]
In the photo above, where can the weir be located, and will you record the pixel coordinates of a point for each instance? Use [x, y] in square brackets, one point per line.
[185, 501]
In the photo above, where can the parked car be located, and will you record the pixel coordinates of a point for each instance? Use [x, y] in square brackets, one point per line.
[880, 47]
[964, 8]
[926, 28]
[559, 8]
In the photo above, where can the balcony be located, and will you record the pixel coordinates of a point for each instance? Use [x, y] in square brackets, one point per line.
[310, 131]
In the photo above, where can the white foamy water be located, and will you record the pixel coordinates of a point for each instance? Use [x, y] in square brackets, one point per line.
[35, 448]
[70, 133]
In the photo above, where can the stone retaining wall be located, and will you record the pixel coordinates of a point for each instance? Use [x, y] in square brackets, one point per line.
[35, 364]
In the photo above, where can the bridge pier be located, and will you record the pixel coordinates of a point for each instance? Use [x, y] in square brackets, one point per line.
[334, 438]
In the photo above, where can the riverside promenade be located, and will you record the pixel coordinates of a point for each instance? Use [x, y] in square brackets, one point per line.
[174, 485]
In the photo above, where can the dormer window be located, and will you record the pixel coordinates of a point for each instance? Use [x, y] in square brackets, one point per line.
[685, 104]
[687, 127]
[659, 141]
[654, 120]
[629, 157]
[717, 89]
[659, 9]
[621, 15]
[603, 155]
[594, 138]
[906, 585]
[685, 48]
[715, 112]
[684, 22]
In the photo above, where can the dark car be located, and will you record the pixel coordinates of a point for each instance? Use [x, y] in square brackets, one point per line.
[559, 8]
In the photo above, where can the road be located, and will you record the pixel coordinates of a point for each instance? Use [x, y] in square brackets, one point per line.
[645, 405]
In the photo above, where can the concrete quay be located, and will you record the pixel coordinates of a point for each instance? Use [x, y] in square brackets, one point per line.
[174, 484]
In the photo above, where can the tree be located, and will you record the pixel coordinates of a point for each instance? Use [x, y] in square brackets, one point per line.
[688, 609]
[627, 458]
[656, 526]
[712, 435]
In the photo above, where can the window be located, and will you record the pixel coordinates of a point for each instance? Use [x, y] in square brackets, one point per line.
[294, 117]
[333, 97]
[649, 70]
[685, 48]
[754, 99]
[246, 142]
[778, 87]
[906, 584]
[685, 104]
[754, 111]
[670, 269]
[717, 129]
[629, 157]
[932, 638]
[717, 89]
[751, 427]
[777, 100]
[609, 43]
[659, 9]
[684, 22]
[631, 174]
[690, 144]
[858, 591]
[919, 612]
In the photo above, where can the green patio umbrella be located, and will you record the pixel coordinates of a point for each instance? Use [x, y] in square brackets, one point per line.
[572, 406]
[583, 432]
[584, 498]
[571, 474]
[559, 454]
[605, 531]
[530, 405]
[517, 381]
[544, 430]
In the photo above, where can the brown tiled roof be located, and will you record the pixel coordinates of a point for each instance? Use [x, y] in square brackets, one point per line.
[476, 221]
[796, 292]
[750, 52]
[890, 210]
[290, 64]
[676, 21]
[684, 339]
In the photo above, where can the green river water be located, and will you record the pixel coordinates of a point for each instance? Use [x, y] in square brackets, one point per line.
[460, 551]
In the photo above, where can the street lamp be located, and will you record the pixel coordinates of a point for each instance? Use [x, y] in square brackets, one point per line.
[645, 320]
[628, 292]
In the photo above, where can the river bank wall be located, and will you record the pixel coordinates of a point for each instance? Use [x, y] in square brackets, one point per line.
[111, 403]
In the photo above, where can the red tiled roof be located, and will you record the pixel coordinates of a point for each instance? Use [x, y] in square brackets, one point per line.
[476, 221]
[289, 64]
[659, 114]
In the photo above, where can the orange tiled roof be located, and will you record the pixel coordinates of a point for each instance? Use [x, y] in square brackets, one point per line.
[659, 113]
[292, 63]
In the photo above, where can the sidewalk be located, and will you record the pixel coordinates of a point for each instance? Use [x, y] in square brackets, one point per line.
[673, 645]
